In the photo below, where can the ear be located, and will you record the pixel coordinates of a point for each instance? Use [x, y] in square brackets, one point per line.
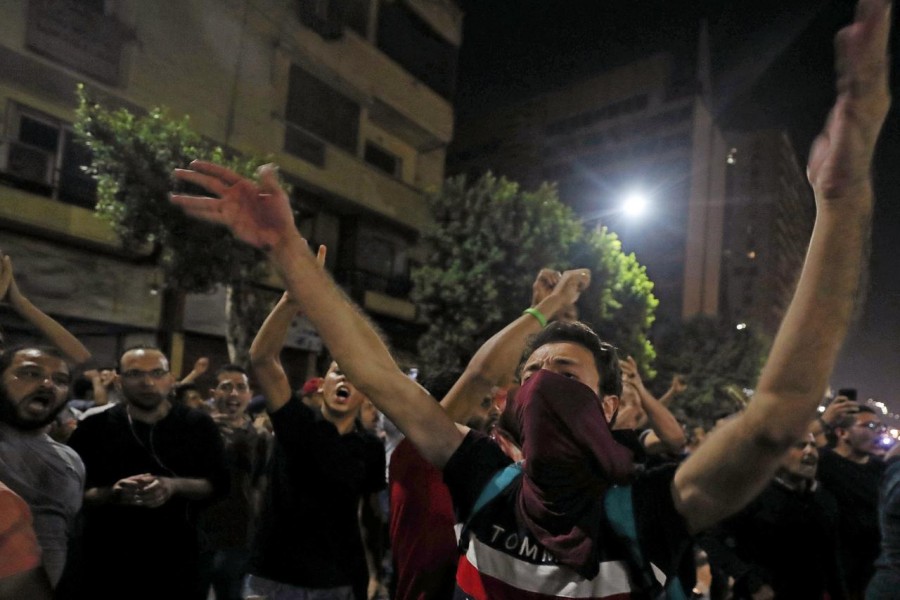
[212, 393]
[609, 404]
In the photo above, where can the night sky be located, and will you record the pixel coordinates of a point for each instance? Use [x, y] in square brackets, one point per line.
[772, 67]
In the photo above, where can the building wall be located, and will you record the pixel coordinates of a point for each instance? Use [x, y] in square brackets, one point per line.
[770, 213]
[228, 64]
[634, 128]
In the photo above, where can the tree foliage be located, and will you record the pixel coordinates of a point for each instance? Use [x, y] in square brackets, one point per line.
[488, 241]
[132, 160]
[717, 361]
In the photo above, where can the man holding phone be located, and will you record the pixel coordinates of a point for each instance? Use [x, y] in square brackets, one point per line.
[852, 474]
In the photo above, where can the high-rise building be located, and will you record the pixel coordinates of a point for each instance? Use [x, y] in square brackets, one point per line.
[643, 128]
[769, 216]
[352, 97]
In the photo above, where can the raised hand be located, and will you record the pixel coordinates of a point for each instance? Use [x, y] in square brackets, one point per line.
[630, 372]
[543, 284]
[838, 409]
[571, 284]
[841, 155]
[201, 365]
[259, 214]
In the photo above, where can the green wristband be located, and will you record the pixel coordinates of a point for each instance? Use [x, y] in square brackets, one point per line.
[537, 315]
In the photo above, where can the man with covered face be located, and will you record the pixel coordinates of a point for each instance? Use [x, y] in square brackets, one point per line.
[34, 386]
[550, 533]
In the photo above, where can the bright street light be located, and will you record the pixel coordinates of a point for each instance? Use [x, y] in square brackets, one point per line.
[635, 204]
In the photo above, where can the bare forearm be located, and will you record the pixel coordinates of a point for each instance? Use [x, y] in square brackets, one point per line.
[361, 353]
[58, 335]
[101, 394]
[714, 482]
[265, 352]
[662, 422]
[98, 496]
[494, 364]
[192, 488]
[806, 347]
[269, 340]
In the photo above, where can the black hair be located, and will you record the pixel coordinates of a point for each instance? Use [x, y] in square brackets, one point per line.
[850, 418]
[440, 382]
[7, 356]
[183, 388]
[606, 358]
[231, 368]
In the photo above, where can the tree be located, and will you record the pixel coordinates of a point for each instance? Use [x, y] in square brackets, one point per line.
[488, 241]
[132, 160]
[717, 361]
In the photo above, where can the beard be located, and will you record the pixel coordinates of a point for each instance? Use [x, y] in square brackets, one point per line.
[9, 414]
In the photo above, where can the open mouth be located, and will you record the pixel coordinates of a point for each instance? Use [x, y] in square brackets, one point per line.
[342, 392]
[38, 404]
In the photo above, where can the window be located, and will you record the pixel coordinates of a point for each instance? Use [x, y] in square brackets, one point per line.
[316, 112]
[329, 17]
[383, 160]
[410, 41]
[80, 34]
[43, 156]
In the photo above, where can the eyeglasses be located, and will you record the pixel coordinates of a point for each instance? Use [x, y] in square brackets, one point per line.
[36, 374]
[873, 425]
[138, 374]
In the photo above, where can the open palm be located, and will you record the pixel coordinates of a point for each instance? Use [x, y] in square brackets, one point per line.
[257, 214]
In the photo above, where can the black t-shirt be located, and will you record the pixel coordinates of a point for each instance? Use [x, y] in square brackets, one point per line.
[855, 487]
[786, 539]
[126, 543]
[506, 547]
[309, 530]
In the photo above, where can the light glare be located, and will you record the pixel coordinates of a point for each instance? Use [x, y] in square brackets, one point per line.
[635, 204]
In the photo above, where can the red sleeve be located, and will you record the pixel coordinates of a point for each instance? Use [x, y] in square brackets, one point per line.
[423, 541]
[19, 550]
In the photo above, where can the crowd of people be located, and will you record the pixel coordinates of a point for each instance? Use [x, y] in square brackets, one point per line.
[556, 475]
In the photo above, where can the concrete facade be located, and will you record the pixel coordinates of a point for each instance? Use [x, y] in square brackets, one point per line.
[769, 217]
[234, 67]
[640, 127]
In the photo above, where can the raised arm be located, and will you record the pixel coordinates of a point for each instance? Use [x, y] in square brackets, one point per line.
[495, 362]
[51, 329]
[262, 216]
[201, 365]
[265, 351]
[663, 423]
[739, 458]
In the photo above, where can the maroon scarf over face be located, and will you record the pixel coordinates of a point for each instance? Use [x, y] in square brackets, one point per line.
[571, 459]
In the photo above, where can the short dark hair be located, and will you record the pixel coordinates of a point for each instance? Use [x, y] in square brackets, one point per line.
[7, 356]
[439, 383]
[182, 389]
[606, 358]
[850, 418]
[231, 368]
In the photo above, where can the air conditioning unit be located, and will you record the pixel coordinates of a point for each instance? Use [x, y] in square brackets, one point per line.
[27, 163]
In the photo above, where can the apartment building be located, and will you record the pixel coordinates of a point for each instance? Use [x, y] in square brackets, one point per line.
[352, 97]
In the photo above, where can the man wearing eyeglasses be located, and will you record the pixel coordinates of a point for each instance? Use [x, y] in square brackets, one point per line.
[852, 474]
[149, 464]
